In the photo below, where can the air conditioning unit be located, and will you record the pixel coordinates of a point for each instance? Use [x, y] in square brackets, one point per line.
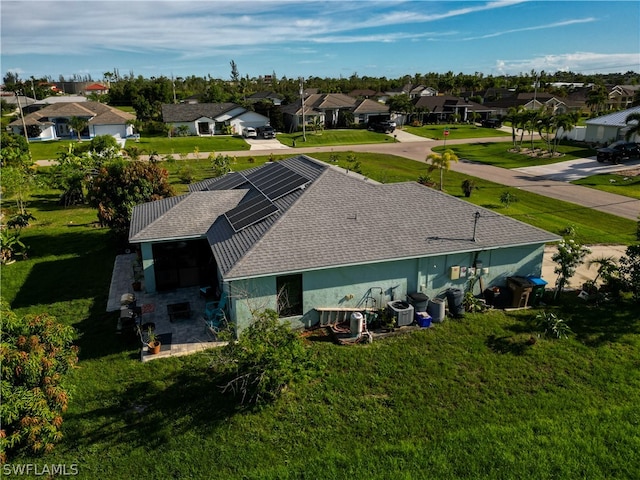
[402, 312]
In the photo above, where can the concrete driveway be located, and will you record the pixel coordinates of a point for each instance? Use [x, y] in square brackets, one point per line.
[575, 169]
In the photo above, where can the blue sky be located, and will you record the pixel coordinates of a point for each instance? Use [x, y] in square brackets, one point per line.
[325, 39]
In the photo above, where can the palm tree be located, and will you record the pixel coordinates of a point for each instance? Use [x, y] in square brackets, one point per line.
[443, 162]
[78, 124]
[634, 128]
[566, 122]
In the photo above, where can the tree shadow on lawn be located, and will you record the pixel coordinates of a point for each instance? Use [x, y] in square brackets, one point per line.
[150, 414]
[86, 243]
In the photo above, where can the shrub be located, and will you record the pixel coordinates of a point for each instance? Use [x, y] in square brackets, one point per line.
[36, 354]
[549, 323]
[265, 360]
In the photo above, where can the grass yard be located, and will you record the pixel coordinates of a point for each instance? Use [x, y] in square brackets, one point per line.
[498, 154]
[456, 132]
[466, 399]
[627, 184]
[327, 138]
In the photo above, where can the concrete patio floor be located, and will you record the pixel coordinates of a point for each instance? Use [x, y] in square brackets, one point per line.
[182, 336]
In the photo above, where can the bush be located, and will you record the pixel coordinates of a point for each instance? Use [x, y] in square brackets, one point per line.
[265, 360]
[36, 354]
[549, 323]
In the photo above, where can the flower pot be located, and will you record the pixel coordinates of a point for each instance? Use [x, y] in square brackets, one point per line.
[137, 286]
[154, 347]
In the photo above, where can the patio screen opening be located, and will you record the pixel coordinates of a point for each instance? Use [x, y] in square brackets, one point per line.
[289, 295]
[183, 264]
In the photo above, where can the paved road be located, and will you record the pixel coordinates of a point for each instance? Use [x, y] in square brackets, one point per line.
[552, 183]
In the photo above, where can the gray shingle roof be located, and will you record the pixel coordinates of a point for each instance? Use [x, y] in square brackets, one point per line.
[343, 220]
[188, 112]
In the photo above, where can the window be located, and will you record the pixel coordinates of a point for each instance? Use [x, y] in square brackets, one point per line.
[289, 295]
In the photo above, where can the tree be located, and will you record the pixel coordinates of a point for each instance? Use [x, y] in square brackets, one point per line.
[71, 174]
[266, 359]
[633, 125]
[630, 270]
[570, 254]
[507, 198]
[597, 97]
[119, 186]
[78, 124]
[442, 162]
[36, 355]
[566, 122]
[400, 104]
[514, 115]
[235, 75]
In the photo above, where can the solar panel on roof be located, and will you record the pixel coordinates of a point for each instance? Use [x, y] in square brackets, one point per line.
[275, 180]
[228, 182]
[251, 211]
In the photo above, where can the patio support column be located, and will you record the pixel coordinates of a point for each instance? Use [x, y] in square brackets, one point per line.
[148, 268]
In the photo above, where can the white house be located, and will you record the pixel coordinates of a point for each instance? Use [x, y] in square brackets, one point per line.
[205, 119]
[609, 128]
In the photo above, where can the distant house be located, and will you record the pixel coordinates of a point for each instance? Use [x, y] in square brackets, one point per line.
[205, 119]
[622, 96]
[96, 88]
[272, 97]
[422, 91]
[52, 121]
[299, 236]
[534, 101]
[609, 128]
[442, 108]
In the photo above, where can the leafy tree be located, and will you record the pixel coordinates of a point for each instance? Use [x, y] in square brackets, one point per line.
[630, 270]
[570, 254]
[72, 174]
[78, 124]
[14, 151]
[36, 355]
[633, 124]
[221, 164]
[400, 104]
[119, 186]
[597, 97]
[507, 198]
[442, 162]
[267, 358]
[102, 143]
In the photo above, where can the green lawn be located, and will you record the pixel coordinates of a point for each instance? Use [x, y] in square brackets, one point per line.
[327, 138]
[466, 399]
[498, 154]
[456, 132]
[626, 185]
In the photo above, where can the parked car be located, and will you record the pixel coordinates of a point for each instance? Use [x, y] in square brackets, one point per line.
[491, 123]
[266, 131]
[618, 151]
[249, 132]
[382, 127]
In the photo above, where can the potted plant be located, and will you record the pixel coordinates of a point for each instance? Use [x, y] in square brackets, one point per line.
[152, 342]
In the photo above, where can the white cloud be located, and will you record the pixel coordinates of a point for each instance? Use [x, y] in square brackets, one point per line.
[537, 27]
[586, 62]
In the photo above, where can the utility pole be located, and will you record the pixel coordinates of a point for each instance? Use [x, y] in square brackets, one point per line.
[24, 125]
[304, 132]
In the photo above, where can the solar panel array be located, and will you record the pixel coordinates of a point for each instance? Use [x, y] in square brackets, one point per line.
[272, 181]
[275, 180]
[250, 211]
[228, 182]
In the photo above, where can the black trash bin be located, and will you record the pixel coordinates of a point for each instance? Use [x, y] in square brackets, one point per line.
[419, 301]
[455, 300]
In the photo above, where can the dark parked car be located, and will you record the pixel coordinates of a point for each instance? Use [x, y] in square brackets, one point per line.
[266, 131]
[491, 123]
[382, 127]
[618, 151]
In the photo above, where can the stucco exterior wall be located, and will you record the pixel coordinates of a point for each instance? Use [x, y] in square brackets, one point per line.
[601, 133]
[374, 285]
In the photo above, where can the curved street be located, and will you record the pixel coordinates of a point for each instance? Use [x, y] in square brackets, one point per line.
[540, 180]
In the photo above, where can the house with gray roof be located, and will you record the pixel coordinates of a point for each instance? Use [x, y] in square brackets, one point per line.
[609, 128]
[300, 235]
[52, 121]
[205, 119]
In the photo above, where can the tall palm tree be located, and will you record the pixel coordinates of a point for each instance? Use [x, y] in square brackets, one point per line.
[566, 121]
[634, 128]
[513, 116]
[442, 162]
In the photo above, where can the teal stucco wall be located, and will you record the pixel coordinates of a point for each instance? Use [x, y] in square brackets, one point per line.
[373, 285]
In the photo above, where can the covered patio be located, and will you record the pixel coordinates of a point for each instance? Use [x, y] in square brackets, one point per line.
[187, 333]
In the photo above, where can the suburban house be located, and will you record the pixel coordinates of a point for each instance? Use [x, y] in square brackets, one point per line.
[441, 108]
[96, 88]
[622, 96]
[204, 119]
[535, 101]
[52, 121]
[609, 128]
[300, 235]
[265, 96]
[328, 108]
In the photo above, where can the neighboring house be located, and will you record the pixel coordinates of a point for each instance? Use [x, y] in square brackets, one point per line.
[12, 99]
[293, 116]
[52, 121]
[204, 119]
[364, 93]
[265, 96]
[96, 88]
[422, 91]
[622, 96]
[609, 128]
[367, 109]
[299, 234]
[441, 108]
[534, 101]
